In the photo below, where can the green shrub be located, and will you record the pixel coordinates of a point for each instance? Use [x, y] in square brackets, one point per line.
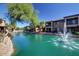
[76, 33]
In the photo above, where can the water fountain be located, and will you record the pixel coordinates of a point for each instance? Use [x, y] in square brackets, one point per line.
[65, 40]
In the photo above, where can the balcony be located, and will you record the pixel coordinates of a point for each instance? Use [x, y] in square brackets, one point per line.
[48, 24]
[72, 22]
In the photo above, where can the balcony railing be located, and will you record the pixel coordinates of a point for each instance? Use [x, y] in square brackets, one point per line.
[72, 21]
[48, 25]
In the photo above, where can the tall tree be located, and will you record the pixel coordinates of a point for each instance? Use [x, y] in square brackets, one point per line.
[34, 19]
[19, 12]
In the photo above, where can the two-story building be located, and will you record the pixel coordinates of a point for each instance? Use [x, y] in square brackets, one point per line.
[72, 24]
[48, 26]
[54, 26]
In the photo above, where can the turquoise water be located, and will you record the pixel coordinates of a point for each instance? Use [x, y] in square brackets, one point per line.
[27, 44]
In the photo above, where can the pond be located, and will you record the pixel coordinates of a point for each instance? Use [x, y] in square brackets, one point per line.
[27, 44]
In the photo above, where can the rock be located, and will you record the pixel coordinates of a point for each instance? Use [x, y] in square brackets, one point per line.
[6, 47]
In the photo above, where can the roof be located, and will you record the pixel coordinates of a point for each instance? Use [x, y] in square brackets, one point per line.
[71, 15]
[63, 18]
[2, 23]
[59, 20]
[55, 20]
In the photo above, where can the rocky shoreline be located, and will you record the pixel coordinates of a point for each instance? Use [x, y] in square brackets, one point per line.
[6, 47]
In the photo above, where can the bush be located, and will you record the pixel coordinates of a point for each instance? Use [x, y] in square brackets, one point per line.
[76, 33]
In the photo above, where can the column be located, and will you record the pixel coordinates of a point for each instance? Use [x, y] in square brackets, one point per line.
[78, 20]
[65, 22]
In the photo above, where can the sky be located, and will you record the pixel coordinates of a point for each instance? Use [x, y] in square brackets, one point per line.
[55, 11]
[47, 11]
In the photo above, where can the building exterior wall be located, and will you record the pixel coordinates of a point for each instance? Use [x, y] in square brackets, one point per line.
[72, 23]
[48, 26]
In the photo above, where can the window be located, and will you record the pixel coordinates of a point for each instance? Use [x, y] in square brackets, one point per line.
[48, 24]
[72, 21]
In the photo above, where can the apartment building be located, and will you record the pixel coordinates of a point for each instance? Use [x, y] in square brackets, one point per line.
[72, 24]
